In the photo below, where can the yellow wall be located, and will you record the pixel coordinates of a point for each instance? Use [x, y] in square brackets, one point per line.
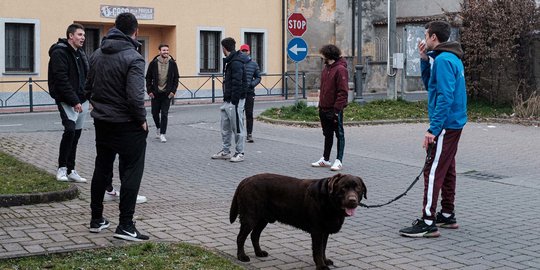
[175, 21]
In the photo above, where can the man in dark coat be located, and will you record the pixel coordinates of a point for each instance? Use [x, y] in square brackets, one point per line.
[234, 99]
[68, 67]
[115, 87]
[161, 83]
[253, 76]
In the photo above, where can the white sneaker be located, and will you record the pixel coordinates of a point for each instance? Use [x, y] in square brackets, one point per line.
[321, 163]
[111, 196]
[238, 157]
[158, 134]
[162, 138]
[337, 166]
[141, 199]
[221, 155]
[75, 177]
[61, 174]
[115, 195]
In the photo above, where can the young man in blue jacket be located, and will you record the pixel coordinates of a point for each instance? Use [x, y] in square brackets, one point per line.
[447, 109]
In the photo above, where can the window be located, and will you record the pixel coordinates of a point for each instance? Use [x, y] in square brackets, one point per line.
[19, 47]
[91, 42]
[209, 51]
[256, 44]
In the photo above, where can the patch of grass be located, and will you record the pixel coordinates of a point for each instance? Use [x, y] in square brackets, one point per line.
[479, 110]
[382, 110]
[297, 112]
[18, 178]
[140, 256]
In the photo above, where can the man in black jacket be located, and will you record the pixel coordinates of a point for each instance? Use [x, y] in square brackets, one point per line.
[253, 75]
[161, 83]
[66, 76]
[234, 99]
[115, 87]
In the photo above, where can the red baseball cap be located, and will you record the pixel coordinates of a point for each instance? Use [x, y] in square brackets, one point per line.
[244, 47]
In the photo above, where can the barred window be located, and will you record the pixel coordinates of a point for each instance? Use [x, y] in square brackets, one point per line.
[210, 51]
[256, 44]
[19, 53]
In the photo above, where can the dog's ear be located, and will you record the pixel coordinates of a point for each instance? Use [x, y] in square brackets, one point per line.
[363, 187]
[333, 181]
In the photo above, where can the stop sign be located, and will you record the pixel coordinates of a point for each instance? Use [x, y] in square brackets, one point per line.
[297, 24]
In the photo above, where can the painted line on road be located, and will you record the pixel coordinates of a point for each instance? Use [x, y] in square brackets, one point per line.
[11, 125]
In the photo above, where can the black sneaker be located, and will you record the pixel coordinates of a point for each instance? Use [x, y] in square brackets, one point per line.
[130, 233]
[420, 229]
[446, 222]
[97, 225]
[249, 138]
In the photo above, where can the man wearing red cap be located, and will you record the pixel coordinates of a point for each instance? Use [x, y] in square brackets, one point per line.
[254, 78]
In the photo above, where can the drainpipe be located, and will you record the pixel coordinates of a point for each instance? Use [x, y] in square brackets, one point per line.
[283, 40]
[353, 28]
[391, 49]
[358, 84]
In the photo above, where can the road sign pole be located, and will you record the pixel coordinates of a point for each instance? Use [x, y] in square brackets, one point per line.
[296, 83]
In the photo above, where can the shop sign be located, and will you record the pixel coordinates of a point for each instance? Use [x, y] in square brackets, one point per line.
[141, 13]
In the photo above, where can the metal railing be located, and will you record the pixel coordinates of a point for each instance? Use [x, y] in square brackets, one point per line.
[33, 93]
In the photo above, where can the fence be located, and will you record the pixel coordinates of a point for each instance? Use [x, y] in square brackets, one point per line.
[33, 93]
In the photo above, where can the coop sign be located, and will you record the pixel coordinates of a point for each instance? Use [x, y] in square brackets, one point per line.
[141, 13]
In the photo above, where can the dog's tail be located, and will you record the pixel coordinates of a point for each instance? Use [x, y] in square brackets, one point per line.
[234, 208]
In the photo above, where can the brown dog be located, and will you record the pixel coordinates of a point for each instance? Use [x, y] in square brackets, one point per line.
[318, 207]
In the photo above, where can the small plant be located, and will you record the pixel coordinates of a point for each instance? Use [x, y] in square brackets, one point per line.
[529, 108]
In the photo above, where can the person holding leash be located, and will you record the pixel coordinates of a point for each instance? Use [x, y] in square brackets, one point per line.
[447, 109]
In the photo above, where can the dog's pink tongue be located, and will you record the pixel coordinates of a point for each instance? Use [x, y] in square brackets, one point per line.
[350, 211]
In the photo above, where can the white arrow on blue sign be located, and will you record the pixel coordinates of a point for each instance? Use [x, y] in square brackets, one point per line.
[297, 49]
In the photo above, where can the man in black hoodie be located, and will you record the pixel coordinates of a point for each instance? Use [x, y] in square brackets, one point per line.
[161, 83]
[115, 87]
[234, 98]
[66, 76]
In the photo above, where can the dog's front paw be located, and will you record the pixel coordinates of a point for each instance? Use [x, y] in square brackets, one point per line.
[243, 257]
[261, 253]
[328, 262]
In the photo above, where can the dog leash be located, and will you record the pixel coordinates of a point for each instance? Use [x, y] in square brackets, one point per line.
[428, 157]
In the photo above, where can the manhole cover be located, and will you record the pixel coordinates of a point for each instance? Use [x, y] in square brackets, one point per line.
[483, 175]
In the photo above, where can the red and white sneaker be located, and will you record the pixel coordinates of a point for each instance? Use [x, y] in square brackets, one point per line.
[321, 163]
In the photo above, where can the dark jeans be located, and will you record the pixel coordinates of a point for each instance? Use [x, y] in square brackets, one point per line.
[69, 142]
[161, 103]
[250, 101]
[128, 141]
[331, 124]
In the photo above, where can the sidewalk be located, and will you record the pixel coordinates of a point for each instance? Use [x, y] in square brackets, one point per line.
[189, 195]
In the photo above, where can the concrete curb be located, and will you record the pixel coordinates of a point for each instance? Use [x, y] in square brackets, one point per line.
[526, 122]
[351, 123]
[41, 197]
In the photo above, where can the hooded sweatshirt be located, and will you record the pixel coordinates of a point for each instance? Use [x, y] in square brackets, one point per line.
[334, 86]
[115, 84]
[445, 82]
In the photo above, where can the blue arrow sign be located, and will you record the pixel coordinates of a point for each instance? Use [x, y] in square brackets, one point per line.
[297, 49]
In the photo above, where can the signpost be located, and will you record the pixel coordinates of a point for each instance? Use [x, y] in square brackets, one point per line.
[297, 48]
[297, 24]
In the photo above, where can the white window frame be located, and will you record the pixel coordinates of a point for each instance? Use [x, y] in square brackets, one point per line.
[37, 47]
[243, 32]
[198, 46]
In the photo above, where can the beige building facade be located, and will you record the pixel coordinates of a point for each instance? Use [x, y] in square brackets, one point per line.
[192, 29]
